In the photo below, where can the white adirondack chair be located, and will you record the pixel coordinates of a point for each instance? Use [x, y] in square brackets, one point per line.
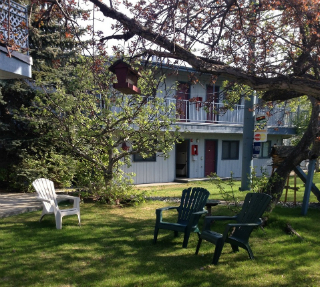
[46, 193]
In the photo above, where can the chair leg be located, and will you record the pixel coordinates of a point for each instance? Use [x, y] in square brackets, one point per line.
[249, 251]
[156, 230]
[175, 233]
[42, 215]
[217, 252]
[79, 219]
[58, 221]
[198, 246]
[235, 248]
[186, 239]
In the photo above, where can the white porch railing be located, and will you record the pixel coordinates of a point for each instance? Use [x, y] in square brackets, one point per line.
[13, 24]
[191, 111]
[211, 112]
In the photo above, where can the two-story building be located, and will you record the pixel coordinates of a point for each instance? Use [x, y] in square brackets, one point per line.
[212, 136]
[14, 64]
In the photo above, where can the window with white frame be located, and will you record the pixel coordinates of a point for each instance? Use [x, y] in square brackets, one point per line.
[265, 149]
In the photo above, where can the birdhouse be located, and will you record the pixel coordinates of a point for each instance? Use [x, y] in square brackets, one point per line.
[125, 147]
[126, 76]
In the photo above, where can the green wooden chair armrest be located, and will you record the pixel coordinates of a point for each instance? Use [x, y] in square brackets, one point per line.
[216, 217]
[231, 225]
[200, 212]
[244, 224]
[195, 217]
[159, 212]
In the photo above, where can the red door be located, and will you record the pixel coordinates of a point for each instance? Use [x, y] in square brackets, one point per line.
[210, 157]
[182, 97]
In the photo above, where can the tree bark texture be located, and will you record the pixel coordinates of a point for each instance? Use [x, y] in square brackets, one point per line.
[299, 153]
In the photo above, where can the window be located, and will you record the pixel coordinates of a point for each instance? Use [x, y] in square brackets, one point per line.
[138, 158]
[230, 149]
[265, 149]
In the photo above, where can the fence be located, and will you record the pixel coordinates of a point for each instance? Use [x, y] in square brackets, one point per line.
[13, 25]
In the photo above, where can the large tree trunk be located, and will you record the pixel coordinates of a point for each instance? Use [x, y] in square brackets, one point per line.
[299, 153]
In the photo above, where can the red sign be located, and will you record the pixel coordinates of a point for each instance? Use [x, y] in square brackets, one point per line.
[257, 137]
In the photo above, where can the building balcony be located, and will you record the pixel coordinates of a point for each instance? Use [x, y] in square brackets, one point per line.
[210, 116]
[15, 61]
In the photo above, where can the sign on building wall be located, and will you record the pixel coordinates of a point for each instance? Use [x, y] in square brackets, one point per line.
[256, 149]
[260, 128]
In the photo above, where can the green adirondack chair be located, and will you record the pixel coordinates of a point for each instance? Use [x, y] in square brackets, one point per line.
[237, 234]
[189, 212]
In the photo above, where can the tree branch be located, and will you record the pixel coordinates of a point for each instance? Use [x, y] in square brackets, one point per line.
[302, 84]
[125, 36]
[273, 95]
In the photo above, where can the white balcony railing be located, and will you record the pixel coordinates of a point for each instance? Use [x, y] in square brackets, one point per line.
[211, 112]
[191, 111]
[13, 24]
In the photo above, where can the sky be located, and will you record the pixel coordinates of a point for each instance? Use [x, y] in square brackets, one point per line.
[100, 23]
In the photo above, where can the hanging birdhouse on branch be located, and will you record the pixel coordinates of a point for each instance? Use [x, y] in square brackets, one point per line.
[127, 78]
[125, 147]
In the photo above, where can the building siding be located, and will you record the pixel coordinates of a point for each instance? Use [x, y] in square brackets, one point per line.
[196, 133]
[162, 170]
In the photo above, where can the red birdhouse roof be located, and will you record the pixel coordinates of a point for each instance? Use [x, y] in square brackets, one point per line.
[120, 64]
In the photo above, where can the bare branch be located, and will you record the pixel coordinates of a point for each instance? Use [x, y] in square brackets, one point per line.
[125, 36]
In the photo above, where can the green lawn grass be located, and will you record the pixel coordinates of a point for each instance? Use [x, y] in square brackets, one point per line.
[113, 247]
[174, 190]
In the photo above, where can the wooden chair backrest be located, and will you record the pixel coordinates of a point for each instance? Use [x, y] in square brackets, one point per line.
[192, 200]
[254, 205]
[45, 188]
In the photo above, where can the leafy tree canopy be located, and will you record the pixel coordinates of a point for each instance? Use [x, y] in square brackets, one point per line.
[98, 124]
[271, 46]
